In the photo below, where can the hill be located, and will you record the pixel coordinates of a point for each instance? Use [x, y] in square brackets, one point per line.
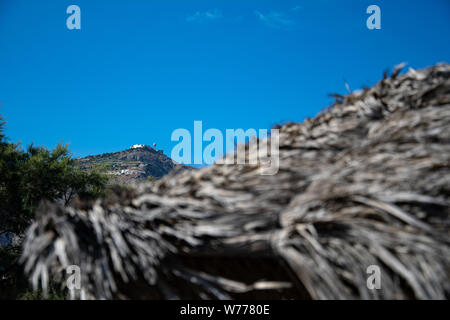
[136, 164]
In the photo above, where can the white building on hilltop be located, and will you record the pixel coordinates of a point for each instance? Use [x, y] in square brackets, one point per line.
[136, 146]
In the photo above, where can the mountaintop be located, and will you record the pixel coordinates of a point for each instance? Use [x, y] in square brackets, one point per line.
[138, 163]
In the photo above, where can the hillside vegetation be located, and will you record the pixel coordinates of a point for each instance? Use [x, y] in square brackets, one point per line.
[130, 166]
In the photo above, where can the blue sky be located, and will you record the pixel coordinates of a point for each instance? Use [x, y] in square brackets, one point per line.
[137, 70]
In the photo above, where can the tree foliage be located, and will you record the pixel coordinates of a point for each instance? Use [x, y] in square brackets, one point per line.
[29, 176]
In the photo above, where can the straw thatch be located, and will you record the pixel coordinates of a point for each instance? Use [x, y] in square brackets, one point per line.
[366, 182]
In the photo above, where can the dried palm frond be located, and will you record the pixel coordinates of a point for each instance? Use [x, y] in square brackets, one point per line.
[366, 182]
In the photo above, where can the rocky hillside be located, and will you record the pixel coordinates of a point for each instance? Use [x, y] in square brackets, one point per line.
[132, 165]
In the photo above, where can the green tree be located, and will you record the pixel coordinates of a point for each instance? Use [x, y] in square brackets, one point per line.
[26, 178]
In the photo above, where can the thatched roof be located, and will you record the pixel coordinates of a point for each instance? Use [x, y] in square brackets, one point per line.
[366, 182]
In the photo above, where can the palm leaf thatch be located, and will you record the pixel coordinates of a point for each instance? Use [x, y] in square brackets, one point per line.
[366, 182]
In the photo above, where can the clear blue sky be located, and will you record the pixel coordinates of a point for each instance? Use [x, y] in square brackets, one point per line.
[137, 70]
